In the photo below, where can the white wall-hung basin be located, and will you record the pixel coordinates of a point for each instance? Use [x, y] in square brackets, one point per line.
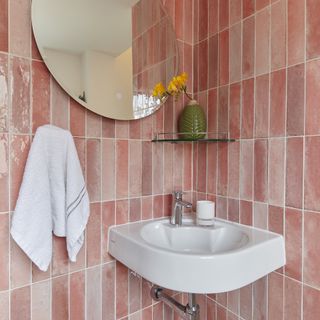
[197, 259]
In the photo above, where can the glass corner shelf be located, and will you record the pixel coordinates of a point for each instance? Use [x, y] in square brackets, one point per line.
[178, 137]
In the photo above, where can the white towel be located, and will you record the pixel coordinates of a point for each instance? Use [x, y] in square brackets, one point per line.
[52, 197]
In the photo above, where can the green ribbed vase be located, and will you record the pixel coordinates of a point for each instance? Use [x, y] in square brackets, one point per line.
[192, 121]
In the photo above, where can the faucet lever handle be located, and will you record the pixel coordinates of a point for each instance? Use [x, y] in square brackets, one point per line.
[177, 195]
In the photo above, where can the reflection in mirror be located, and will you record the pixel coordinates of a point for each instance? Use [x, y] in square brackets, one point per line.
[107, 54]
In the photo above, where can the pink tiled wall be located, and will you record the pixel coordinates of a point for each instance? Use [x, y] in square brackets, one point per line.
[257, 73]
[128, 179]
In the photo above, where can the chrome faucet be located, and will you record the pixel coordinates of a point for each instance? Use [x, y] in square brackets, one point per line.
[176, 209]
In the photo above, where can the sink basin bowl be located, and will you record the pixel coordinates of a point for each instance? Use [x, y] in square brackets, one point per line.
[195, 259]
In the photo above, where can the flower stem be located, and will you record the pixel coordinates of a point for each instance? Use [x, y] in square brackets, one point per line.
[186, 93]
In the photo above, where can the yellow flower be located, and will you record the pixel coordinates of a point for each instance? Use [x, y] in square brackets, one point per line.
[172, 88]
[159, 90]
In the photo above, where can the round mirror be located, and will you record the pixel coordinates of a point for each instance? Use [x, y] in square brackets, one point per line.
[107, 54]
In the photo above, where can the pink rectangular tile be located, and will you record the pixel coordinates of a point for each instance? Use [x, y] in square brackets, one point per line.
[93, 124]
[20, 266]
[121, 290]
[276, 219]
[18, 156]
[235, 11]
[295, 100]
[60, 260]
[202, 168]
[94, 235]
[234, 170]
[108, 128]
[260, 215]
[135, 210]
[20, 27]
[293, 236]
[60, 304]
[224, 57]
[246, 302]
[260, 298]
[311, 306]
[157, 206]
[275, 296]
[278, 103]
[221, 313]
[247, 110]
[260, 4]
[313, 96]
[108, 291]
[223, 14]
[235, 48]
[20, 82]
[77, 296]
[233, 210]
[187, 167]
[248, 7]
[222, 208]
[213, 16]
[77, 118]
[246, 170]
[248, 45]
[187, 17]
[203, 18]
[276, 171]
[278, 35]
[4, 251]
[59, 105]
[34, 48]
[38, 275]
[292, 300]
[203, 65]
[168, 167]
[313, 29]
[234, 110]
[134, 293]
[222, 169]
[178, 19]
[108, 169]
[158, 311]
[41, 293]
[294, 172]
[296, 31]
[262, 106]
[122, 129]
[94, 294]
[263, 41]
[157, 168]
[311, 178]
[4, 26]
[147, 168]
[311, 248]
[4, 96]
[4, 172]
[223, 109]
[108, 220]
[213, 61]
[94, 169]
[4, 305]
[20, 304]
[212, 155]
[40, 95]
[135, 168]
[246, 212]
[261, 170]
[122, 211]
[135, 129]
[121, 168]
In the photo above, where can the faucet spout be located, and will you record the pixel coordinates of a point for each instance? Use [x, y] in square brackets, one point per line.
[177, 207]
